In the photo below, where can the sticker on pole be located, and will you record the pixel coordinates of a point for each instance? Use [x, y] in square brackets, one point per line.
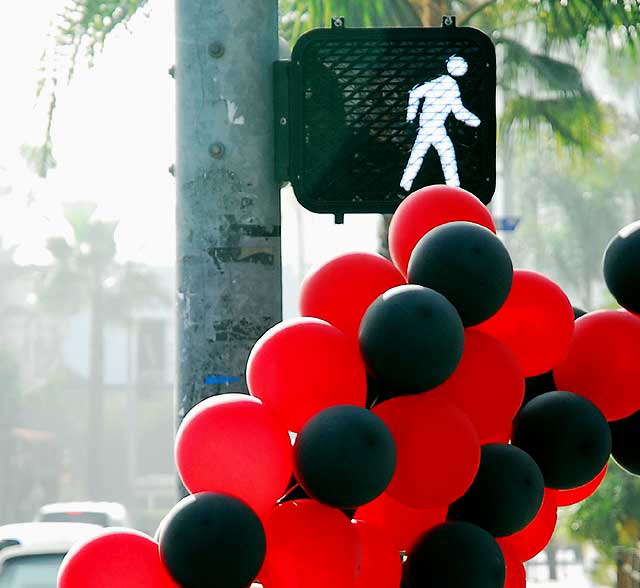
[366, 116]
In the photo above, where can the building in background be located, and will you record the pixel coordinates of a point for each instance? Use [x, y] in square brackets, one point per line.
[47, 412]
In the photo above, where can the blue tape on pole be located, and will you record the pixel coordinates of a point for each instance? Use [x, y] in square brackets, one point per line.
[221, 379]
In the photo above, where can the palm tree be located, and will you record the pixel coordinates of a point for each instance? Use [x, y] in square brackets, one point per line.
[85, 275]
[9, 407]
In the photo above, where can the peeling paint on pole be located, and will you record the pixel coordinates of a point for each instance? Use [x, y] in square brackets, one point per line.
[228, 210]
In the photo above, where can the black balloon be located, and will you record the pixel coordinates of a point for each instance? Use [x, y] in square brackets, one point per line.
[567, 436]
[344, 456]
[377, 391]
[534, 386]
[578, 312]
[621, 263]
[454, 555]
[468, 265]
[625, 442]
[411, 338]
[213, 540]
[296, 492]
[506, 493]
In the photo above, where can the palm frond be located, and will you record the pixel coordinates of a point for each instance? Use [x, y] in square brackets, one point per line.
[299, 16]
[86, 23]
[577, 20]
[80, 28]
[559, 22]
[576, 122]
[39, 157]
[548, 73]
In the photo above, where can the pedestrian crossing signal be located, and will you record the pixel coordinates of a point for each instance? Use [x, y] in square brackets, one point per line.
[365, 116]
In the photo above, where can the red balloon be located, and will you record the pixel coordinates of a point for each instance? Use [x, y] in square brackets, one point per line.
[427, 208]
[437, 449]
[400, 523]
[531, 540]
[234, 444]
[341, 290]
[633, 314]
[502, 437]
[116, 558]
[303, 366]
[602, 364]
[574, 495]
[516, 574]
[536, 322]
[309, 545]
[380, 565]
[487, 385]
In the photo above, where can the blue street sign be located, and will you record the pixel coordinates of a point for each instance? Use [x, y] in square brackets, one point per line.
[507, 223]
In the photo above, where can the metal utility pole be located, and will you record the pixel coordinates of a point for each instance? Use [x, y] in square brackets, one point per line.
[228, 209]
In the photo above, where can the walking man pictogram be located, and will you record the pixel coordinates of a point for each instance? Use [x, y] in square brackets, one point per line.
[441, 98]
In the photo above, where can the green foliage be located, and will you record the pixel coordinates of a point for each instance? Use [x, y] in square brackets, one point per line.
[521, 65]
[576, 121]
[556, 22]
[567, 20]
[543, 93]
[298, 17]
[39, 158]
[88, 22]
[611, 516]
[562, 23]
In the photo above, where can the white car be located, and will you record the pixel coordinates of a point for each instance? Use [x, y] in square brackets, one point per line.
[105, 514]
[31, 553]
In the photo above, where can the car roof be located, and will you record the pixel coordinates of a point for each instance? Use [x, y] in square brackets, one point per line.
[41, 533]
[18, 551]
[112, 508]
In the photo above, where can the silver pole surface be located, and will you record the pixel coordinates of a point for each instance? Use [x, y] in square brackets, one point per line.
[229, 288]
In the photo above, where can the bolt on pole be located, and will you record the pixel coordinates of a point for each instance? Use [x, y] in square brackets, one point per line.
[228, 208]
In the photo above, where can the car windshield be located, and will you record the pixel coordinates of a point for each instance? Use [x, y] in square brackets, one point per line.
[31, 571]
[97, 518]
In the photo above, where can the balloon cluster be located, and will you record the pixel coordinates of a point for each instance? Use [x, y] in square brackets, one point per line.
[418, 425]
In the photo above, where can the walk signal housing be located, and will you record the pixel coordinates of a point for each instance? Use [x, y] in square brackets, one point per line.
[342, 135]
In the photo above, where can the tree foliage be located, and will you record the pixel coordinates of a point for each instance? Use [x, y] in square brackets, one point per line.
[611, 517]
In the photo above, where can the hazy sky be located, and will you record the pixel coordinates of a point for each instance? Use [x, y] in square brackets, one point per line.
[114, 139]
